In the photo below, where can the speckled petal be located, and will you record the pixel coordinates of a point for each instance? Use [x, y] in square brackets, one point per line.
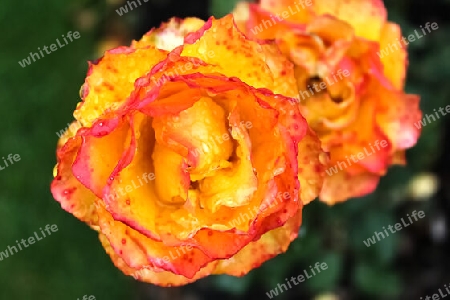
[394, 57]
[367, 17]
[110, 81]
[66, 189]
[397, 115]
[341, 186]
[222, 44]
[311, 167]
[255, 253]
[153, 275]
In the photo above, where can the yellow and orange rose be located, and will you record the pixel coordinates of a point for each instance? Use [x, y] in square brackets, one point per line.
[350, 93]
[189, 154]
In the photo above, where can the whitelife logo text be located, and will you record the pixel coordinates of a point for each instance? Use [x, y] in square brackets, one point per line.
[33, 56]
[11, 158]
[323, 84]
[411, 38]
[437, 296]
[356, 157]
[319, 267]
[124, 10]
[430, 117]
[291, 10]
[31, 240]
[376, 237]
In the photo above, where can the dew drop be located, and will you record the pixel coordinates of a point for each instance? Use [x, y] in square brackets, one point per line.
[311, 182]
[323, 158]
[202, 50]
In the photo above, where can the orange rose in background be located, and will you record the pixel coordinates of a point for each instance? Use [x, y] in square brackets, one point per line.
[189, 155]
[351, 95]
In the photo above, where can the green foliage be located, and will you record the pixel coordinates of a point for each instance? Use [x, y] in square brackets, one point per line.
[38, 101]
[376, 281]
[219, 8]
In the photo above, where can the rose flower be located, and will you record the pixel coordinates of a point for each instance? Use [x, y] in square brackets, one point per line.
[351, 96]
[189, 155]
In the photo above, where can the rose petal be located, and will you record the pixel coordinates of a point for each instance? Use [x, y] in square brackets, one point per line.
[255, 253]
[66, 189]
[111, 80]
[311, 167]
[153, 275]
[101, 149]
[238, 56]
[341, 186]
[395, 61]
[367, 17]
[139, 251]
[397, 115]
[363, 138]
[291, 10]
[236, 185]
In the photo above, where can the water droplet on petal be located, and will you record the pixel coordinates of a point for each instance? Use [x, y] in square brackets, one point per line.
[311, 182]
[323, 158]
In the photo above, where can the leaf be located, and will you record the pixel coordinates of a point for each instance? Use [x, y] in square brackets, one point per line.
[376, 281]
[219, 8]
[327, 279]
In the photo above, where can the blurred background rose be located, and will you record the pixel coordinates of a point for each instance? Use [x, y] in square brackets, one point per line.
[37, 102]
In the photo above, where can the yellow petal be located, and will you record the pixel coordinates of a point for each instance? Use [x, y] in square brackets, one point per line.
[255, 253]
[367, 17]
[396, 60]
[111, 80]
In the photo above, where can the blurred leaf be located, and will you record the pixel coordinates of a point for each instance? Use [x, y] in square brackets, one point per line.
[375, 281]
[328, 279]
[383, 251]
[233, 285]
[219, 8]
[275, 270]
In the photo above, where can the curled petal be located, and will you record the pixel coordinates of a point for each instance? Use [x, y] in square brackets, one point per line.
[255, 253]
[66, 189]
[341, 186]
[139, 251]
[153, 275]
[367, 17]
[394, 62]
[311, 167]
[229, 45]
[399, 114]
[111, 79]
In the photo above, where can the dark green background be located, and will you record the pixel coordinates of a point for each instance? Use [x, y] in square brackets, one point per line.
[38, 101]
